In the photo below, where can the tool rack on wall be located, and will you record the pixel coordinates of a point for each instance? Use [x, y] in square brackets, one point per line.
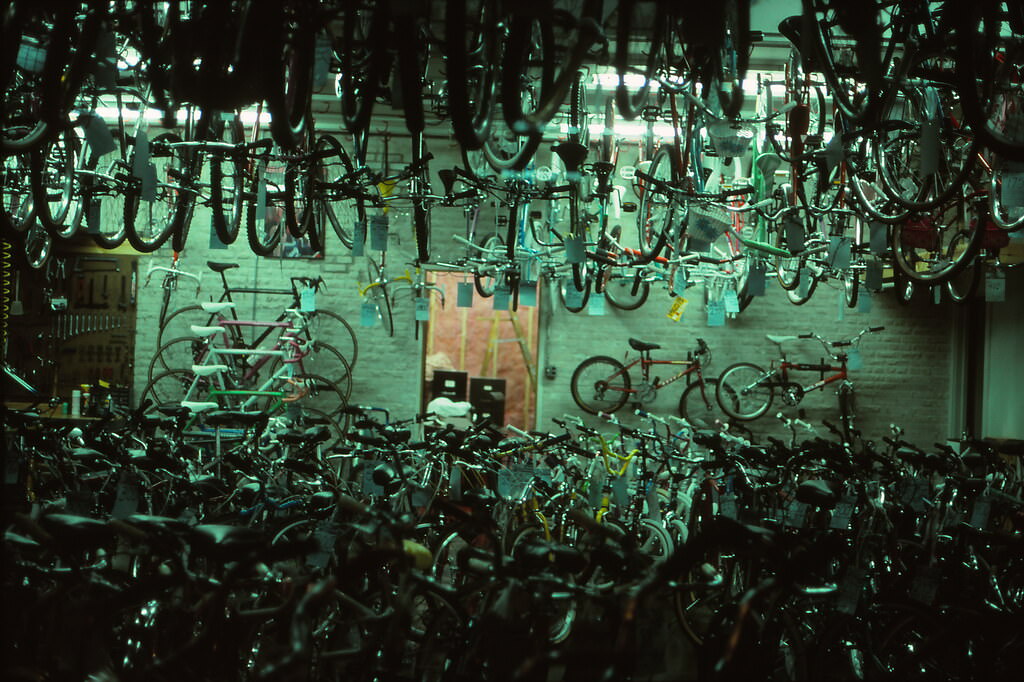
[72, 324]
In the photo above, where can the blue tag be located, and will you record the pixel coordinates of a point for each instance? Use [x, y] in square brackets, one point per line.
[93, 217]
[215, 242]
[929, 145]
[595, 305]
[501, 296]
[794, 233]
[359, 238]
[422, 309]
[98, 137]
[840, 305]
[379, 232]
[574, 250]
[528, 293]
[368, 315]
[149, 181]
[839, 252]
[854, 361]
[731, 301]
[716, 314]
[864, 301]
[879, 238]
[873, 276]
[995, 287]
[679, 281]
[141, 156]
[464, 297]
[756, 279]
[307, 300]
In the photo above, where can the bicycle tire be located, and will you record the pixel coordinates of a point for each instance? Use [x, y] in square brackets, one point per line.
[471, 49]
[851, 288]
[744, 380]
[288, 53]
[584, 298]
[191, 166]
[44, 168]
[264, 236]
[332, 328]
[526, 34]
[701, 408]
[629, 41]
[350, 209]
[910, 252]
[227, 224]
[324, 361]
[177, 324]
[148, 227]
[362, 53]
[963, 286]
[610, 374]
[321, 394]
[168, 389]
[801, 294]
[655, 210]
[420, 188]
[560, 625]
[33, 247]
[626, 294]
[178, 353]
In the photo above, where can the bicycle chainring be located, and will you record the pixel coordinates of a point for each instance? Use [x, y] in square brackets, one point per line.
[791, 394]
[646, 392]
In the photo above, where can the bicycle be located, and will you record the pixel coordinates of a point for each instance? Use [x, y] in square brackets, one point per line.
[746, 391]
[603, 384]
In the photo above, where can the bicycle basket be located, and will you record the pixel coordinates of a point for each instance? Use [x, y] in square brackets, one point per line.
[920, 234]
[730, 139]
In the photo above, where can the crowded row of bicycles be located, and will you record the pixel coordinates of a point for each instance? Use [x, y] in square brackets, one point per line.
[240, 545]
[882, 155]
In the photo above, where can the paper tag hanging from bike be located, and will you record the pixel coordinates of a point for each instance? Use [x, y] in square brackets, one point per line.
[464, 295]
[359, 238]
[864, 302]
[595, 305]
[500, 298]
[707, 223]
[422, 309]
[1012, 188]
[675, 313]
[756, 279]
[98, 137]
[731, 301]
[995, 287]
[839, 252]
[307, 300]
[716, 314]
[379, 232]
[573, 297]
[854, 360]
[368, 315]
[574, 250]
[528, 293]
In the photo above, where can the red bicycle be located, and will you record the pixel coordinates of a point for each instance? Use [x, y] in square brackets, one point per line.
[603, 384]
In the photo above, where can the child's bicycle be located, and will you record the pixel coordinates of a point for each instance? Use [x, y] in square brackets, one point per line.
[603, 384]
[745, 391]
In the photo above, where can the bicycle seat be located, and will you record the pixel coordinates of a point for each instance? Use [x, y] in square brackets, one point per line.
[211, 307]
[637, 344]
[201, 331]
[236, 418]
[817, 493]
[223, 538]
[207, 370]
[572, 155]
[197, 406]
[220, 267]
[780, 339]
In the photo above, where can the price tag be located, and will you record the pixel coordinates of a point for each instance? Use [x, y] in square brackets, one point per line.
[879, 238]
[595, 305]
[149, 183]
[455, 484]
[793, 230]
[929, 145]
[834, 153]
[839, 252]
[850, 589]
[653, 504]
[464, 295]
[679, 281]
[31, 58]
[574, 250]
[573, 297]
[528, 293]
[716, 314]
[501, 296]
[995, 287]
[675, 313]
[854, 360]
[727, 506]
[215, 242]
[307, 300]
[731, 301]
[756, 279]
[371, 487]
[93, 216]
[105, 66]
[126, 501]
[368, 315]
[140, 157]
[324, 536]
[804, 286]
[422, 309]
[261, 192]
[98, 137]
[843, 512]
[841, 305]
[873, 276]
[1012, 195]
[936, 295]
[980, 512]
[620, 491]
[864, 301]
[379, 232]
[359, 238]
[795, 514]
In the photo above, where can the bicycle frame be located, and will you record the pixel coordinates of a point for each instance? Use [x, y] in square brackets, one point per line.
[646, 363]
[785, 366]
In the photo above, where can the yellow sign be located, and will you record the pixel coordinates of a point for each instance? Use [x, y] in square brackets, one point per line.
[675, 313]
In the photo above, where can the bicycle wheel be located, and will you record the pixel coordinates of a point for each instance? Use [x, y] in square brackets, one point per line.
[263, 220]
[963, 286]
[802, 293]
[179, 324]
[288, 58]
[471, 51]
[922, 248]
[227, 186]
[560, 604]
[179, 353]
[33, 247]
[419, 187]
[324, 360]
[600, 384]
[331, 328]
[700, 407]
[744, 391]
[170, 388]
[851, 287]
[309, 392]
[656, 208]
[627, 293]
[575, 301]
[362, 51]
[149, 215]
[640, 30]
[342, 212]
[56, 195]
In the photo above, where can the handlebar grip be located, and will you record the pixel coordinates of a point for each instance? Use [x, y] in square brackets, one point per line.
[805, 336]
[875, 329]
[351, 504]
[738, 192]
